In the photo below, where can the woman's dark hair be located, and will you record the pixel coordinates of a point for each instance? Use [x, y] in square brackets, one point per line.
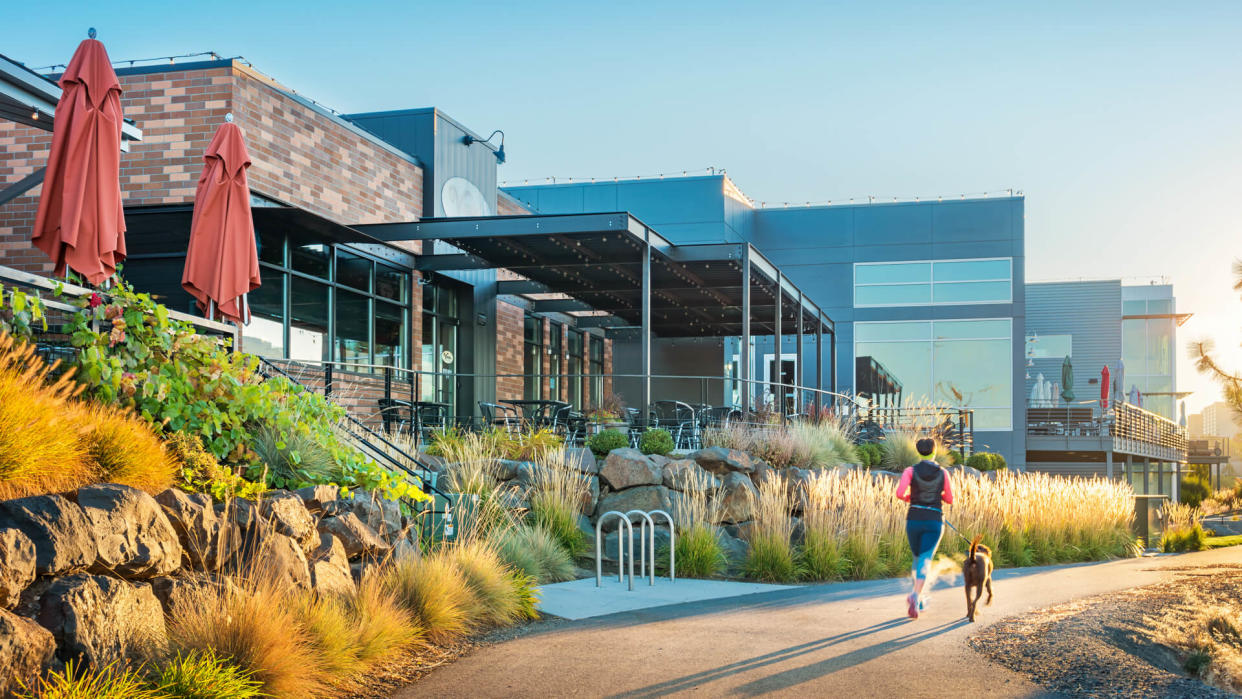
[925, 446]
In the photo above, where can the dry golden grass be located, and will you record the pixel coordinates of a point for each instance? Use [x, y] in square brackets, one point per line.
[256, 626]
[1209, 636]
[41, 447]
[807, 444]
[494, 599]
[125, 450]
[556, 493]
[771, 555]
[382, 626]
[856, 527]
[435, 591]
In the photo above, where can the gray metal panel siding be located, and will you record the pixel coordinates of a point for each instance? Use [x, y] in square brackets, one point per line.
[475, 163]
[1090, 311]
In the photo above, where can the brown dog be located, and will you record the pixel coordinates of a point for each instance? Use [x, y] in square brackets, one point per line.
[977, 572]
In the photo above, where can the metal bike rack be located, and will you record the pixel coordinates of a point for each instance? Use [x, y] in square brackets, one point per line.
[621, 559]
[643, 535]
[672, 545]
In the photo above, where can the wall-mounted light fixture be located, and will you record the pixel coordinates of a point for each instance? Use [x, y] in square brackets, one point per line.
[500, 152]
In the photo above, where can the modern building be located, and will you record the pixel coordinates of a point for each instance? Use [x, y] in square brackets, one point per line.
[927, 297]
[1131, 329]
[1220, 420]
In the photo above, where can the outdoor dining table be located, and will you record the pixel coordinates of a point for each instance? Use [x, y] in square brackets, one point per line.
[539, 412]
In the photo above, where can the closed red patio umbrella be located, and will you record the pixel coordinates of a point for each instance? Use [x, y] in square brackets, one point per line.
[80, 223]
[1104, 388]
[222, 263]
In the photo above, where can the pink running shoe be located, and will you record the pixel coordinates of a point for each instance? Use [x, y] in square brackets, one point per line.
[913, 606]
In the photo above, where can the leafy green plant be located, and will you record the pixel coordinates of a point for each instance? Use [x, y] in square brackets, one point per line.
[870, 455]
[19, 310]
[656, 441]
[605, 441]
[1183, 539]
[204, 675]
[80, 681]
[181, 381]
[200, 472]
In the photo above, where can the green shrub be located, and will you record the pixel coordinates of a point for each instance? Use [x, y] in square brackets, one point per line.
[1193, 491]
[986, 461]
[80, 681]
[656, 441]
[1184, 539]
[525, 593]
[699, 553]
[956, 457]
[204, 675]
[605, 441]
[870, 455]
[181, 381]
[200, 472]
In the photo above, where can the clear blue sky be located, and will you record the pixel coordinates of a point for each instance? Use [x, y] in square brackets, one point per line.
[1120, 121]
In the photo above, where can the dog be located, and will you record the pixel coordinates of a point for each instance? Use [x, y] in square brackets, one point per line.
[977, 573]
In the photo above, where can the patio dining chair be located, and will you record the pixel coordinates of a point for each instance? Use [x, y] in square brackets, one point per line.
[497, 415]
[394, 415]
[681, 420]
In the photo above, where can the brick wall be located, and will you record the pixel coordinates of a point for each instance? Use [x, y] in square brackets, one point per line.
[300, 156]
[509, 348]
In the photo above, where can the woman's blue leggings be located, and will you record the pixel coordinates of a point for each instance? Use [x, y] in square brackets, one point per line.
[924, 537]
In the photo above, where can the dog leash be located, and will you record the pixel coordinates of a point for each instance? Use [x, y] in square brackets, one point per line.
[945, 520]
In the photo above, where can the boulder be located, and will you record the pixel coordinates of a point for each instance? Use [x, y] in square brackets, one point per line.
[382, 515]
[720, 460]
[740, 530]
[737, 497]
[687, 476]
[432, 462]
[735, 551]
[25, 647]
[358, 538]
[103, 620]
[329, 567]
[244, 513]
[582, 459]
[314, 496]
[17, 569]
[659, 460]
[286, 512]
[63, 538]
[512, 498]
[267, 553]
[133, 535]
[610, 542]
[797, 480]
[208, 539]
[627, 468]
[181, 590]
[507, 469]
[643, 497]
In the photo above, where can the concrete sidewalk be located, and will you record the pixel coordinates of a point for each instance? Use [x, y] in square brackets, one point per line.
[581, 599]
[845, 639]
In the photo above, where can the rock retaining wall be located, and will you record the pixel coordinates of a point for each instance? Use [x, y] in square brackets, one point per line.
[92, 573]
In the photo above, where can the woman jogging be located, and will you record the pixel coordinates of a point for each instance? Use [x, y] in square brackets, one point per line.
[924, 485]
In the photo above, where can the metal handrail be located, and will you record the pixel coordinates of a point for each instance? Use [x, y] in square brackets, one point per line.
[599, 565]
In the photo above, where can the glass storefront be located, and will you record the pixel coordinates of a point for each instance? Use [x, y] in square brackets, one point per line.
[555, 354]
[597, 369]
[532, 374]
[955, 363]
[575, 368]
[439, 346]
[322, 302]
[1147, 346]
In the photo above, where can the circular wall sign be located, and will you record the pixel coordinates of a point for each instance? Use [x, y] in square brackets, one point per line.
[460, 197]
[446, 356]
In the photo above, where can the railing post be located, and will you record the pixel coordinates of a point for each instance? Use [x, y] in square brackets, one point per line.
[327, 380]
[387, 383]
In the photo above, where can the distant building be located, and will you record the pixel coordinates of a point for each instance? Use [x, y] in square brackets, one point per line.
[1194, 425]
[1219, 420]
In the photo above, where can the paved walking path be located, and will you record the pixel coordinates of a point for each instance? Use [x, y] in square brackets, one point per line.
[845, 639]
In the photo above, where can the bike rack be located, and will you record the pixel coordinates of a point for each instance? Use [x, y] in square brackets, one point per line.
[642, 545]
[672, 545]
[621, 559]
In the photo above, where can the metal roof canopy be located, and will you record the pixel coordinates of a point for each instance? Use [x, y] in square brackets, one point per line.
[29, 98]
[615, 264]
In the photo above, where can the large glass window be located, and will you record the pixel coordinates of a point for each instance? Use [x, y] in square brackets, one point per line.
[597, 369]
[938, 282]
[1049, 346]
[353, 342]
[322, 302]
[555, 354]
[439, 345]
[954, 363]
[1147, 346]
[308, 319]
[532, 383]
[576, 339]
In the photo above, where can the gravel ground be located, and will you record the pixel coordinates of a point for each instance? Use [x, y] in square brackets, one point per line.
[1100, 646]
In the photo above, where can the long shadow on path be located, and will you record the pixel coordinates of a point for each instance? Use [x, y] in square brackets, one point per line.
[793, 677]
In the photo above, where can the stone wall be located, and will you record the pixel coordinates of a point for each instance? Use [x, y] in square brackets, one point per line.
[93, 573]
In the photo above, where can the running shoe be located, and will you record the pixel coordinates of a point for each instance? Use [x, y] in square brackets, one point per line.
[912, 606]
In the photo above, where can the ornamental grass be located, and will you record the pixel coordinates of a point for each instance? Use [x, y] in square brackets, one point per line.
[534, 551]
[556, 494]
[123, 449]
[822, 443]
[771, 557]
[699, 553]
[41, 448]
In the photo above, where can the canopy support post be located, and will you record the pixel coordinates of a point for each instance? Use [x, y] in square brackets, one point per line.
[744, 351]
[778, 378]
[819, 364]
[798, 368]
[645, 341]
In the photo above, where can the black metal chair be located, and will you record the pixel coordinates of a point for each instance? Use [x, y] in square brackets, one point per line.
[681, 420]
[496, 415]
[570, 424]
[395, 415]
